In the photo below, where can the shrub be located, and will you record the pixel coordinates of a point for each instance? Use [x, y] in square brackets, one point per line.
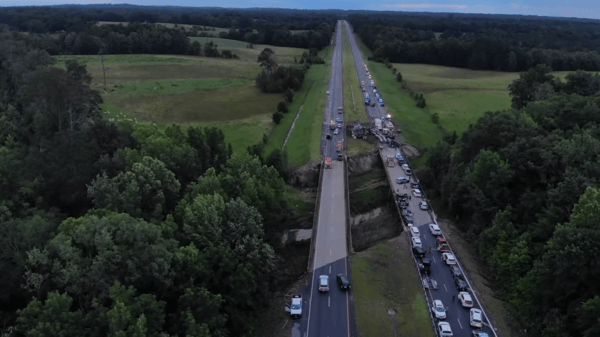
[282, 107]
[277, 116]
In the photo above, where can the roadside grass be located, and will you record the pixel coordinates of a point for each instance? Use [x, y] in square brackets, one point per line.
[298, 200]
[304, 144]
[283, 55]
[354, 110]
[385, 278]
[415, 123]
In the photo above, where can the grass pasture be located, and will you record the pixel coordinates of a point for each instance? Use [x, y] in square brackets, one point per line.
[385, 278]
[221, 43]
[172, 25]
[190, 90]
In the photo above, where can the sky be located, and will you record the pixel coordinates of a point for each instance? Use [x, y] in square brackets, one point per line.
[563, 8]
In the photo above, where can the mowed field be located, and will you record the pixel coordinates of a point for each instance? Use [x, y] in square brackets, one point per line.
[190, 90]
[385, 278]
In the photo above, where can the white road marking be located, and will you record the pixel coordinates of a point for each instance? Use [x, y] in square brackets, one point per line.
[329, 269]
[329, 301]
[459, 323]
[445, 287]
[433, 258]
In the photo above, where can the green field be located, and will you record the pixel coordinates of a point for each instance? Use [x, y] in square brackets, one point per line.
[385, 278]
[221, 43]
[172, 25]
[189, 90]
[305, 142]
[354, 110]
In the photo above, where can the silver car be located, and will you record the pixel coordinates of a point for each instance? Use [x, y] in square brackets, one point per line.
[435, 229]
[444, 329]
[475, 318]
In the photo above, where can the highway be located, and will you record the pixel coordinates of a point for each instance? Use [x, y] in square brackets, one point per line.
[327, 314]
[457, 316]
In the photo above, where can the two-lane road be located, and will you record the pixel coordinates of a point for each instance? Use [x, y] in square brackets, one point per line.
[457, 316]
[327, 314]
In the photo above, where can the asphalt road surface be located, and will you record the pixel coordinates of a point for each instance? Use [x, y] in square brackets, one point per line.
[457, 316]
[326, 314]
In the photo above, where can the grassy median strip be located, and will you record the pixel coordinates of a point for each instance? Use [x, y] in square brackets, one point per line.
[385, 278]
[354, 110]
[304, 143]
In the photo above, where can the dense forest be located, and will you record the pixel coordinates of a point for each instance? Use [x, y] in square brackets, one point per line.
[257, 26]
[526, 184]
[481, 41]
[129, 229]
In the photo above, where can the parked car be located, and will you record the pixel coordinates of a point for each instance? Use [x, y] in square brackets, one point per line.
[414, 231]
[373, 103]
[444, 329]
[402, 180]
[339, 119]
[419, 251]
[344, 282]
[449, 258]
[406, 213]
[400, 158]
[328, 136]
[465, 299]
[339, 125]
[374, 91]
[381, 102]
[475, 318]
[461, 284]
[296, 308]
[438, 309]
[323, 283]
[435, 229]
[479, 333]
[406, 169]
[423, 205]
[456, 272]
[417, 193]
[377, 95]
[336, 131]
[416, 242]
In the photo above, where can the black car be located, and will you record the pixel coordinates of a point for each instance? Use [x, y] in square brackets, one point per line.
[406, 213]
[403, 204]
[456, 272]
[409, 222]
[461, 285]
[344, 282]
[419, 252]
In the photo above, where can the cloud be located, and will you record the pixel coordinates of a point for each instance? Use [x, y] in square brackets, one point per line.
[420, 6]
[518, 6]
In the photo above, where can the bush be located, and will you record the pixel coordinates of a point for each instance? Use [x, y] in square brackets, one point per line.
[277, 117]
[282, 107]
[394, 70]
[289, 95]
[399, 77]
[435, 118]
[421, 103]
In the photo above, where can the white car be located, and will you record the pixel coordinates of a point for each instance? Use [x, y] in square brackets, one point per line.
[435, 229]
[475, 318]
[414, 231]
[417, 192]
[444, 329]
[449, 259]
[296, 309]
[424, 205]
[465, 299]
[416, 242]
[438, 309]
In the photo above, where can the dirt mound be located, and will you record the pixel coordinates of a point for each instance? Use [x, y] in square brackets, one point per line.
[410, 151]
[363, 163]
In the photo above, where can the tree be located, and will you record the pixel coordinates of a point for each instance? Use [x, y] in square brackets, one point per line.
[277, 117]
[266, 59]
[399, 77]
[196, 48]
[282, 107]
[522, 89]
[582, 83]
[148, 189]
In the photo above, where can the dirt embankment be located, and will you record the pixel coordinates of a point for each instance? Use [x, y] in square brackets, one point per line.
[372, 217]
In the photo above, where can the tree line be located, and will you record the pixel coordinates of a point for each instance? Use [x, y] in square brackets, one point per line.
[524, 183]
[129, 229]
[499, 44]
[257, 26]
